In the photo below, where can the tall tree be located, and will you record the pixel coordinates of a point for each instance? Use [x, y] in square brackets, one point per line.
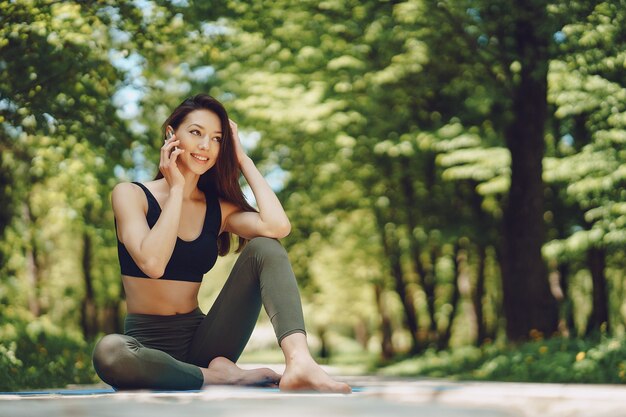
[528, 302]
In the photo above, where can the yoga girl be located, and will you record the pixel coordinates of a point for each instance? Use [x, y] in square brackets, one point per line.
[170, 232]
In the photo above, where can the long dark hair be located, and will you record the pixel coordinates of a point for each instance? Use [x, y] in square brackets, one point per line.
[223, 178]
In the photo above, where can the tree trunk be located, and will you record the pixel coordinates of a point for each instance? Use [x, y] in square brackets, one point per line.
[429, 283]
[599, 318]
[478, 295]
[110, 317]
[528, 304]
[567, 308]
[32, 266]
[361, 333]
[410, 202]
[7, 206]
[89, 321]
[324, 350]
[558, 285]
[410, 316]
[386, 342]
[459, 262]
[392, 252]
[485, 227]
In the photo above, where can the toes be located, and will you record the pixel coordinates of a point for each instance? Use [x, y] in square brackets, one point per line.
[262, 383]
[271, 377]
[345, 389]
[275, 376]
[268, 373]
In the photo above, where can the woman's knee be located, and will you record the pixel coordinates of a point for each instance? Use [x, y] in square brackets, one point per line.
[108, 355]
[265, 247]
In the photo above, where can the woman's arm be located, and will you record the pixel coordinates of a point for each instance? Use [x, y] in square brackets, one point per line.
[271, 220]
[151, 249]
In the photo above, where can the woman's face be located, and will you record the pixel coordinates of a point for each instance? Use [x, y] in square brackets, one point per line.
[200, 135]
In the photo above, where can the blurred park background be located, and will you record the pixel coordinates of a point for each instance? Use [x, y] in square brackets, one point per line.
[454, 173]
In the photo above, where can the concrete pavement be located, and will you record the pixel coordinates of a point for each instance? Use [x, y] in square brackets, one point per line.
[373, 396]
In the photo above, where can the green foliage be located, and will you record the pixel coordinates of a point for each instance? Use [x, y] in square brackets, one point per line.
[587, 89]
[61, 139]
[557, 360]
[37, 353]
[386, 121]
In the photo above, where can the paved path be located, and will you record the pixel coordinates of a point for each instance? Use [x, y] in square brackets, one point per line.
[373, 396]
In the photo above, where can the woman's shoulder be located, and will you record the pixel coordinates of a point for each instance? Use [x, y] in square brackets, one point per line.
[125, 194]
[135, 187]
[125, 190]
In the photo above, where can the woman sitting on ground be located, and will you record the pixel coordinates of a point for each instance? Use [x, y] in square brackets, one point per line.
[170, 232]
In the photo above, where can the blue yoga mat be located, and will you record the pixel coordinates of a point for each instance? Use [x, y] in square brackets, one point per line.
[62, 392]
[96, 391]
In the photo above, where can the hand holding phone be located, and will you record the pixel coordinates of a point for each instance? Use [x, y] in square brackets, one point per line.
[169, 156]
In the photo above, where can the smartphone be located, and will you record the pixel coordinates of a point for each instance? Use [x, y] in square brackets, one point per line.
[169, 132]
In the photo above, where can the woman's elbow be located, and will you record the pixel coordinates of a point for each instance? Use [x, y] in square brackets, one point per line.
[152, 268]
[275, 230]
[282, 230]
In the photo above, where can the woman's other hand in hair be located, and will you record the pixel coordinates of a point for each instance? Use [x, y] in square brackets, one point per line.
[240, 153]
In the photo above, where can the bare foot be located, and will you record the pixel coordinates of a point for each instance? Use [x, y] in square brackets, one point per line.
[306, 375]
[222, 371]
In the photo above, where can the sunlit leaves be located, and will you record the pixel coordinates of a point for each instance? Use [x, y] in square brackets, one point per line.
[588, 84]
[61, 139]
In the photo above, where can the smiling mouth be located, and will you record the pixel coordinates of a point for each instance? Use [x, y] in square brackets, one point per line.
[200, 158]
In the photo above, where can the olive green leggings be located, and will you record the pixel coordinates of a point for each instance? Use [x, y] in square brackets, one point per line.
[165, 352]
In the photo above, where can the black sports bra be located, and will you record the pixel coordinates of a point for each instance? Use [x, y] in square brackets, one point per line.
[190, 260]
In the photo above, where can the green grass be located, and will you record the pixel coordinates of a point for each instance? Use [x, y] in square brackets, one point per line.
[556, 360]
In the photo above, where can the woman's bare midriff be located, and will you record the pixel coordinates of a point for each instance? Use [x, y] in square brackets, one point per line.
[160, 297]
